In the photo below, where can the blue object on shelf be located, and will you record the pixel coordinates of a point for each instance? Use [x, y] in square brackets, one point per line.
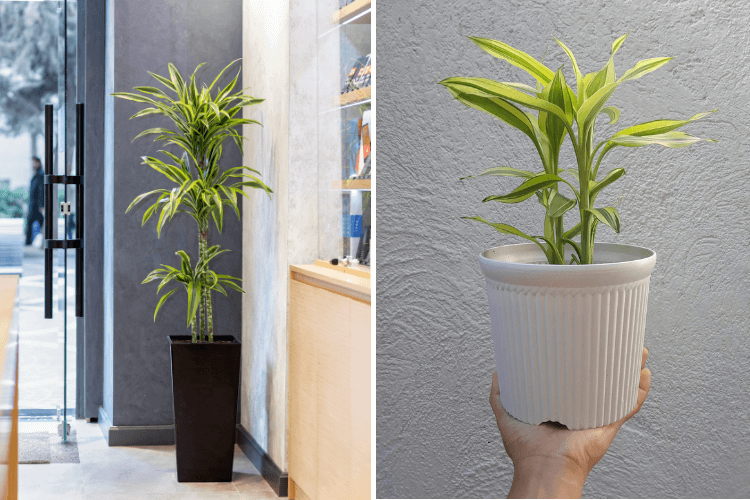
[356, 226]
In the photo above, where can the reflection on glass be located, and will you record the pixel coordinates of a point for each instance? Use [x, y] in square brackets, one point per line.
[345, 128]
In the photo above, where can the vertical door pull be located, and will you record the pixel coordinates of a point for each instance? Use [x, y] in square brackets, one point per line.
[49, 181]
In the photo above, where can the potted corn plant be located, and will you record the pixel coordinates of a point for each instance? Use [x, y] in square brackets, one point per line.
[205, 367]
[568, 317]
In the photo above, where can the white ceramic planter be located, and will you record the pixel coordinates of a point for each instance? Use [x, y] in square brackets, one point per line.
[568, 339]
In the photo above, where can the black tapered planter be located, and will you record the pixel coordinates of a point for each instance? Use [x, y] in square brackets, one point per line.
[205, 380]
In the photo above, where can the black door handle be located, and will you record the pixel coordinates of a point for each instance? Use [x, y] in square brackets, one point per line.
[79, 210]
[48, 159]
[49, 181]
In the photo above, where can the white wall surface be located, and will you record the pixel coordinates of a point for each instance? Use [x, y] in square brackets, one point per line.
[436, 433]
[265, 272]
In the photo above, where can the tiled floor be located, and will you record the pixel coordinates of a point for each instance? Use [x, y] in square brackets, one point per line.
[133, 473]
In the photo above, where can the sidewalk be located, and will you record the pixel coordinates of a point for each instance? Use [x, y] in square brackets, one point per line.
[40, 384]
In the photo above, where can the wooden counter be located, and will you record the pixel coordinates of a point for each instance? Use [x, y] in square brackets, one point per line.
[9, 388]
[329, 384]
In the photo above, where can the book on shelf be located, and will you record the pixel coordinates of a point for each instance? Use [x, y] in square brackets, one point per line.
[358, 74]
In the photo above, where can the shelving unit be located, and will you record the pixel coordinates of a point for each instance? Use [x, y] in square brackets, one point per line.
[354, 184]
[353, 10]
[354, 96]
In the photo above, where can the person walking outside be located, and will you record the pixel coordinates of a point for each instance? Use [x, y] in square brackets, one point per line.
[36, 200]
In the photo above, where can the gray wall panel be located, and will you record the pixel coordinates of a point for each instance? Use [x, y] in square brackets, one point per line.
[147, 36]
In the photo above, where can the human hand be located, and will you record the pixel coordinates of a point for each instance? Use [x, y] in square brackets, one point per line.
[549, 460]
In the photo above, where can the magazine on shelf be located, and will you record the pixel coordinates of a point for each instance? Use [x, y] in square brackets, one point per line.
[358, 74]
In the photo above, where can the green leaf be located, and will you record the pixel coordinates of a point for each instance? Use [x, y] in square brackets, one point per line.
[575, 246]
[141, 197]
[558, 204]
[505, 228]
[644, 67]
[606, 181]
[483, 86]
[515, 57]
[232, 285]
[185, 261]
[161, 301]
[661, 126]
[164, 81]
[593, 105]
[617, 43]
[574, 173]
[498, 108]
[551, 125]
[572, 233]
[608, 216]
[612, 112]
[521, 86]
[526, 189]
[134, 97]
[508, 171]
[194, 294]
[152, 131]
[579, 76]
[672, 139]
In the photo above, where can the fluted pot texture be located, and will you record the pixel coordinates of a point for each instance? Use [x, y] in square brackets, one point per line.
[568, 339]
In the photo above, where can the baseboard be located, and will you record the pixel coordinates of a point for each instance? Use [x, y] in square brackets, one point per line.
[140, 435]
[271, 472]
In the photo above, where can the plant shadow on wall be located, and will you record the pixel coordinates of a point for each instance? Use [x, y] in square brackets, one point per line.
[205, 367]
[567, 337]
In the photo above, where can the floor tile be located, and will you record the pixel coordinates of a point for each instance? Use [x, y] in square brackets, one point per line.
[133, 473]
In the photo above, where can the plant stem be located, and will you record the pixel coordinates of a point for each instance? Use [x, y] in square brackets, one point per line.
[206, 309]
[210, 318]
[559, 237]
[203, 314]
[195, 333]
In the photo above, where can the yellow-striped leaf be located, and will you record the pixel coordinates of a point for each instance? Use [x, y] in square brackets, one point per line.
[515, 57]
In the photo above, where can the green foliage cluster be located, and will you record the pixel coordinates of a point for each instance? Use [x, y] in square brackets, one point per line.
[202, 123]
[12, 201]
[564, 112]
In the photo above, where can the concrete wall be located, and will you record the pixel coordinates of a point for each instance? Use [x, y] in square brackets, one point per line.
[266, 228]
[143, 35]
[280, 45]
[436, 433]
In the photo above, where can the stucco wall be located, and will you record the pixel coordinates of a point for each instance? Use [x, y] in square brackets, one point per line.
[265, 226]
[436, 434]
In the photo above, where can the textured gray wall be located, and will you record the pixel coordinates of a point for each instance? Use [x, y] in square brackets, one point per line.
[145, 36]
[436, 434]
[91, 60]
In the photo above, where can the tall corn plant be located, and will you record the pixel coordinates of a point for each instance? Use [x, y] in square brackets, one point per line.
[202, 123]
[564, 112]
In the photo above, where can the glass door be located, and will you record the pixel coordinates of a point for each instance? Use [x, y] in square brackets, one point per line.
[38, 68]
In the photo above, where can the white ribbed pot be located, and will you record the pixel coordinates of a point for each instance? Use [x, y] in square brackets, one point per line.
[568, 339]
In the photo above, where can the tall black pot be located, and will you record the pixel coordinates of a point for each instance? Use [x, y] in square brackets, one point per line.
[205, 380]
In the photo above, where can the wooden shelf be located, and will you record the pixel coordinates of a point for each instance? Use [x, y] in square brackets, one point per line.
[358, 184]
[354, 269]
[353, 10]
[354, 96]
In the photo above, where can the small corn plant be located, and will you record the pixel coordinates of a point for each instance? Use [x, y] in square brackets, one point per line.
[564, 112]
[194, 281]
[202, 124]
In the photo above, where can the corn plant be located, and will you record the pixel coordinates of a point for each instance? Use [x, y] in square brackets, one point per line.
[202, 123]
[564, 112]
[194, 281]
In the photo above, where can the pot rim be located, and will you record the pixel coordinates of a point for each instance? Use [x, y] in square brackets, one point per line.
[517, 264]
